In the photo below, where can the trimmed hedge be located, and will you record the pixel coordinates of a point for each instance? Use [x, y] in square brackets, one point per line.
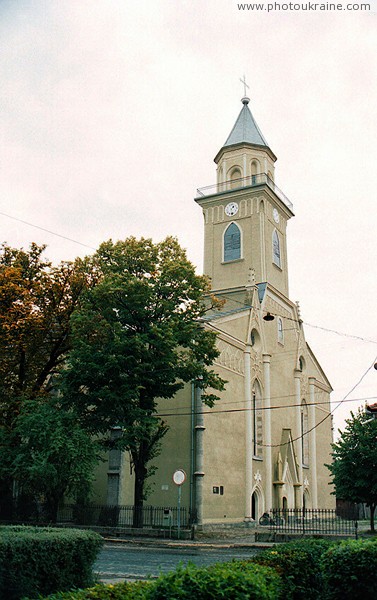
[299, 566]
[42, 560]
[120, 591]
[350, 570]
[308, 569]
[233, 581]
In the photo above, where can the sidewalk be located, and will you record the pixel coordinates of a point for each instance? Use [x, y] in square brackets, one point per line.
[217, 538]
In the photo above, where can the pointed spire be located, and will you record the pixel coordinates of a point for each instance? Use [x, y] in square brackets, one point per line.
[245, 129]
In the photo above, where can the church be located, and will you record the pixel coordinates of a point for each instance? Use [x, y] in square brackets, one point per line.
[265, 444]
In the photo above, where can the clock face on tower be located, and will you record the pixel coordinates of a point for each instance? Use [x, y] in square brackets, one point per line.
[231, 209]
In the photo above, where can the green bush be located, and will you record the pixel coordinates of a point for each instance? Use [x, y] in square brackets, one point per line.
[310, 569]
[299, 566]
[119, 591]
[233, 581]
[42, 560]
[350, 570]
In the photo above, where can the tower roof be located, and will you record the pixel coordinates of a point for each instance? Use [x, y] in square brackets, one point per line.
[245, 129]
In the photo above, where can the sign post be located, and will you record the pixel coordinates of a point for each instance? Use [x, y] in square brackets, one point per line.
[179, 477]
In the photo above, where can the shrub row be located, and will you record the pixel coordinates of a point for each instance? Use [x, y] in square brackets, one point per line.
[351, 571]
[233, 581]
[323, 570]
[309, 569]
[119, 591]
[42, 560]
[299, 565]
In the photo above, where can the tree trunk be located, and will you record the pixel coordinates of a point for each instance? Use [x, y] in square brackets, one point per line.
[52, 506]
[372, 509]
[139, 495]
[7, 504]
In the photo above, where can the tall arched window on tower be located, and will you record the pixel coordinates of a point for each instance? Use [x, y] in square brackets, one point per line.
[256, 398]
[276, 249]
[232, 243]
[304, 434]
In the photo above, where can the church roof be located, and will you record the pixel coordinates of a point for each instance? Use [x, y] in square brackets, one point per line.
[245, 129]
[218, 314]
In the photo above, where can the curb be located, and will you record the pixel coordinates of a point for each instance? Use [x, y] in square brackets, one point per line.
[154, 543]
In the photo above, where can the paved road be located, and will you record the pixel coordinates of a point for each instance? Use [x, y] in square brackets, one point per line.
[118, 561]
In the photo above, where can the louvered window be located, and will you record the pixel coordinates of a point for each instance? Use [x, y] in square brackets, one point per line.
[232, 243]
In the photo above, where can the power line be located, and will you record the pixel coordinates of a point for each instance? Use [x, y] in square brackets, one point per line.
[282, 354]
[303, 434]
[64, 237]
[349, 335]
[299, 321]
[262, 408]
[326, 416]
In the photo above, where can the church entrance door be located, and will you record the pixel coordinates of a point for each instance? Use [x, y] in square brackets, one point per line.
[254, 506]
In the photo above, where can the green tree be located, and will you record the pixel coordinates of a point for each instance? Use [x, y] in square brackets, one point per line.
[137, 339]
[36, 304]
[55, 456]
[354, 466]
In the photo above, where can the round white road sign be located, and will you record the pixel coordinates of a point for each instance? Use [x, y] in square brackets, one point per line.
[179, 477]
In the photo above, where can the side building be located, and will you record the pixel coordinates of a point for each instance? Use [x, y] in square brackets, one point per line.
[265, 443]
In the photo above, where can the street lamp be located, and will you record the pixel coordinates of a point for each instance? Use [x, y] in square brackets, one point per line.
[268, 317]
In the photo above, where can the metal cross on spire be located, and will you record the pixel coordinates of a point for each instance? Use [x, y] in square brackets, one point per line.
[244, 85]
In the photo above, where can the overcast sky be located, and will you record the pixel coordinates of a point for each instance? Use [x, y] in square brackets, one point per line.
[112, 112]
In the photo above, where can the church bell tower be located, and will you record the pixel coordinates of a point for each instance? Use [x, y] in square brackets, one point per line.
[245, 213]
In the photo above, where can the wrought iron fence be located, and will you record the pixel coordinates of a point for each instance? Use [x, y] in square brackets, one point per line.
[125, 516]
[99, 515]
[306, 521]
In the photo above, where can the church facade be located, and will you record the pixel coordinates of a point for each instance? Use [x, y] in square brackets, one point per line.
[265, 444]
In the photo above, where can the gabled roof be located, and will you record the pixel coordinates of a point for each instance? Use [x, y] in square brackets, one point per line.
[245, 129]
[315, 361]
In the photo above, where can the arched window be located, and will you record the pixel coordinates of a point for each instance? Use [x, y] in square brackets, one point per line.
[276, 248]
[256, 398]
[255, 339]
[255, 169]
[280, 331]
[232, 243]
[304, 434]
[235, 178]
